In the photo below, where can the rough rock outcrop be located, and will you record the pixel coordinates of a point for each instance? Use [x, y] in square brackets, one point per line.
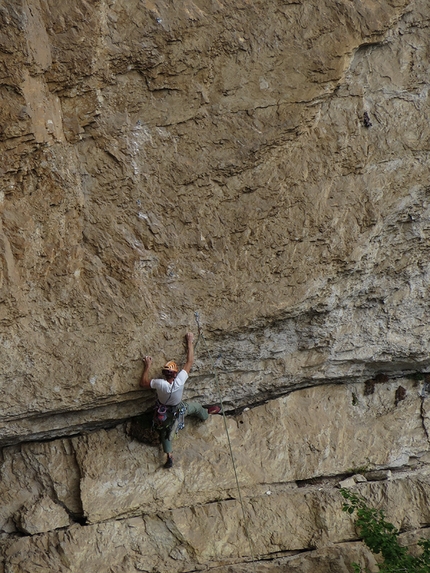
[163, 159]
[288, 456]
[265, 164]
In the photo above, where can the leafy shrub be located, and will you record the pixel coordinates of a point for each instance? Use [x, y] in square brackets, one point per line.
[381, 537]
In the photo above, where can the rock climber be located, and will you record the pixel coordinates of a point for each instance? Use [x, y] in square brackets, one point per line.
[170, 409]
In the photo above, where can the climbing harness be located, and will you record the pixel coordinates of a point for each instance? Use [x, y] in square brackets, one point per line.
[169, 419]
[215, 373]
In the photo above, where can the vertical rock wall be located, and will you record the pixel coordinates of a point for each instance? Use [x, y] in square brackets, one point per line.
[265, 164]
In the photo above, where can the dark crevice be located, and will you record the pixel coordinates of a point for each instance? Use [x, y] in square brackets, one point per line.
[230, 408]
[81, 520]
[422, 411]
[74, 516]
[67, 433]
[323, 480]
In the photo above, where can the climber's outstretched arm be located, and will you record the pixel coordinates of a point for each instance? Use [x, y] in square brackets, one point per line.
[190, 352]
[145, 381]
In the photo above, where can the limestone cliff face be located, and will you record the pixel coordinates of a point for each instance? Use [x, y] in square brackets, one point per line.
[265, 164]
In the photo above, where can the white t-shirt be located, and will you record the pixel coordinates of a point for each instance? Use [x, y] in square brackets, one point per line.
[170, 394]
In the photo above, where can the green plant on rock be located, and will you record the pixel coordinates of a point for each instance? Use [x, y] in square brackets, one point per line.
[381, 537]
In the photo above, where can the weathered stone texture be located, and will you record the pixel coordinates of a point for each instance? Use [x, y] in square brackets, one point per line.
[212, 157]
[211, 533]
[313, 432]
[43, 515]
[265, 163]
[30, 473]
[142, 517]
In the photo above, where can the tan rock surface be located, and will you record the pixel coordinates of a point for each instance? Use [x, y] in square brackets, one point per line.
[310, 433]
[140, 516]
[190, 538]
[209, 159]
[161, 158]
[41, 516]
[33, 471]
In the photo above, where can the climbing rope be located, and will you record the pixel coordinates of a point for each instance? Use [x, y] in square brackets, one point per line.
[215, 373]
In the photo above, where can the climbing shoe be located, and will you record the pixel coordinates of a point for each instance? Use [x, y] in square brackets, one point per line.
[169, 463]
[214, 410]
